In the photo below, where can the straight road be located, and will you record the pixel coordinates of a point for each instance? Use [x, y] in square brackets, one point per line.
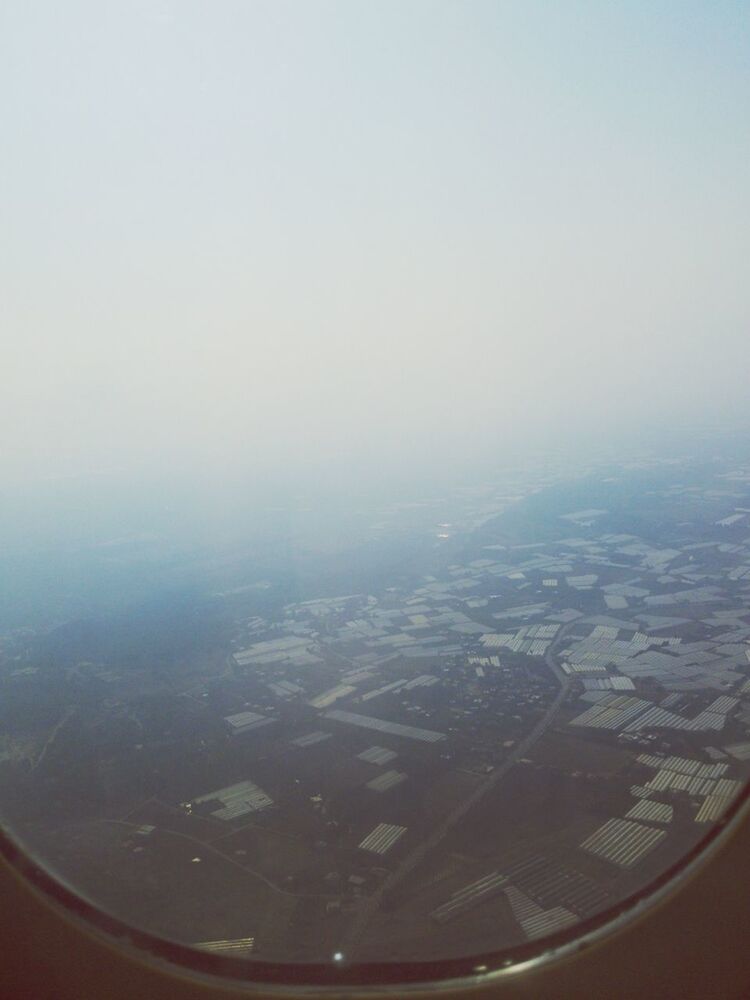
[371, 904]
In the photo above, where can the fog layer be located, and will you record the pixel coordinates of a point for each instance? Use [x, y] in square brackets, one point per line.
[264, 234]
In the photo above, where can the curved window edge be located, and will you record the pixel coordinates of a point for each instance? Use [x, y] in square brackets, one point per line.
[332, 978]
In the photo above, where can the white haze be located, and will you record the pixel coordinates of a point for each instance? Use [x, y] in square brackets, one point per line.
[281, 235]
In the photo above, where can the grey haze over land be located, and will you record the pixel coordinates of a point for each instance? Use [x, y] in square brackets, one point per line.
[374, 465]
[277, 235]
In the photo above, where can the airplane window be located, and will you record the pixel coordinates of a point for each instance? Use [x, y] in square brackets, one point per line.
[375, 471]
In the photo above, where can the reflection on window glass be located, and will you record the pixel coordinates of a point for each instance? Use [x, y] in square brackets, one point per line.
[375, 474]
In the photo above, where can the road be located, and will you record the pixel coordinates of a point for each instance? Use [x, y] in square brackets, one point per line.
[206, 847]
[371, 904]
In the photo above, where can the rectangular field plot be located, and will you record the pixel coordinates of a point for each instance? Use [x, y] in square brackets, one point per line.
[237, 800]
[468, 897]
[623, 842]
[385, 781]
[394, 728]
[382, 838]
[534, 920]
[656, 812]
[377, 755]
[310, 739]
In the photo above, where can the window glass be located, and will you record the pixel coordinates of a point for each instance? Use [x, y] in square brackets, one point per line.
[374, 466]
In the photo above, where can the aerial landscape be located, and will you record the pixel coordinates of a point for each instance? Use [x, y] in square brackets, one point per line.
[374, 490]
[523, 712]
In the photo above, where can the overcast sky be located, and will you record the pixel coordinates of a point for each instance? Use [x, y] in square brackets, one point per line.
[301, 231]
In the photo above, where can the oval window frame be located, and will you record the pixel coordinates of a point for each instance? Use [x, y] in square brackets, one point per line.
[341, 978]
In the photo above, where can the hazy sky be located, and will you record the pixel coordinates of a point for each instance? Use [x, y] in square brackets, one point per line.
[310, 230]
